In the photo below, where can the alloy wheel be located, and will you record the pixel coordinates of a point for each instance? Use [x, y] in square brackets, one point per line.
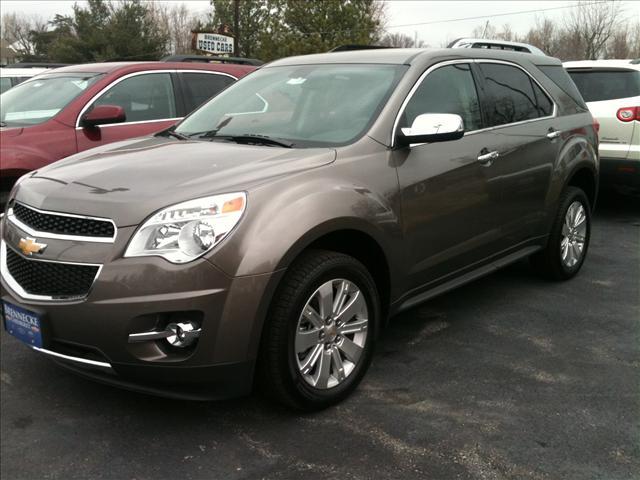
[331, 333]
[574, 234]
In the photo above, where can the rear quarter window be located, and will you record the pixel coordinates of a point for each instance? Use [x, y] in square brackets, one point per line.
[558, 75]
[599, 85]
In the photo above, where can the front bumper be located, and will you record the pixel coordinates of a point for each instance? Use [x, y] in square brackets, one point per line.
[133, 295]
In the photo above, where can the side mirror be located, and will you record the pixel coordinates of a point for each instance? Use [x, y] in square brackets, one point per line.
[103, 115]
[432, 127]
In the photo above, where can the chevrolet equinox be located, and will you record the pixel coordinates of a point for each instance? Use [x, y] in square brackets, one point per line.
[267, 238]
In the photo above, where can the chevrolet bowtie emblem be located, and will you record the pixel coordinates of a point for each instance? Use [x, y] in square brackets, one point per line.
[29, 246]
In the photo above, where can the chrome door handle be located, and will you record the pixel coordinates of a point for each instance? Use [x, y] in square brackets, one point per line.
[553, 134]
[486, 158]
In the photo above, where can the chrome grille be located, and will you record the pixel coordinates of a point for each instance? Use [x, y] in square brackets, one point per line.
[63, 224]
[46, 279]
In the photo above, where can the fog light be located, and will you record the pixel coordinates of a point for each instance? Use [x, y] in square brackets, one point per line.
[184, 334]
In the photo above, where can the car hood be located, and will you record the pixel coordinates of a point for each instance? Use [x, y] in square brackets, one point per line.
[127, 181]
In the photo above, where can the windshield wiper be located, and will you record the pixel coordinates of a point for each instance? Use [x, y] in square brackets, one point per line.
[252, 138]
[172, 133]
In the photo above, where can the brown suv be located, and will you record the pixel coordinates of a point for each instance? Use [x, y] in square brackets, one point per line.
[270, 234]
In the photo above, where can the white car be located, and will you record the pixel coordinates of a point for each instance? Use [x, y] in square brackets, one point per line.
[10, 77]
[495, 45]
[611, 89]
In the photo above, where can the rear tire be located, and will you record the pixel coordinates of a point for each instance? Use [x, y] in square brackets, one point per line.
[319, 338]
[568, 241]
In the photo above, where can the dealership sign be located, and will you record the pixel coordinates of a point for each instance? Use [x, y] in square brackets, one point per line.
[214, 43]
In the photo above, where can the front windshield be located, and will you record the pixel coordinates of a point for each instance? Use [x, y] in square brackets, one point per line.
[41, 98]
[307, 106]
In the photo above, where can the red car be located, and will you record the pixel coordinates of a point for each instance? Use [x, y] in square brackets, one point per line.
[72, 109]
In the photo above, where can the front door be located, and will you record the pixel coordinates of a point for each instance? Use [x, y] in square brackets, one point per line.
[444, 192]
[149, 104]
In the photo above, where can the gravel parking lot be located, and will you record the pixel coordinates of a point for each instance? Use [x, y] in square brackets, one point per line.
[509, 377]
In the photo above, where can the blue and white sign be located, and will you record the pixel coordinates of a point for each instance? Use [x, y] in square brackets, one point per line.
[22, 324]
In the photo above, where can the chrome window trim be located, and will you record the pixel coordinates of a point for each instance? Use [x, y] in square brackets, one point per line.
[135, 74]
[62, 236]
[472, 132]
[17, 288]
[69, 358]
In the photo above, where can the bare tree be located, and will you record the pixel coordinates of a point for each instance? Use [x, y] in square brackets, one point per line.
[634, 40]
[175, 22]
[18, 28]
[590, 26]
[543, 35]
[400, 40]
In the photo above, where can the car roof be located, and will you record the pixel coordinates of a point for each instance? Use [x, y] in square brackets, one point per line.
[602, 64]
[130, 67]
[21, 72]
[408, 56]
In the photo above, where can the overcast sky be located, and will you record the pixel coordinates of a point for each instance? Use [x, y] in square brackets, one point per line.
[402, 15]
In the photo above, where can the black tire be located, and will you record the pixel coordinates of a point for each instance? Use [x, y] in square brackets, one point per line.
[548, 261]
[279, 375]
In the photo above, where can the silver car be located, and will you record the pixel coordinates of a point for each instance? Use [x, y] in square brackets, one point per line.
[611, 89]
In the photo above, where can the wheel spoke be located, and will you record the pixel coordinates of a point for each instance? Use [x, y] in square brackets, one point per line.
[358, 325]
[350, 349]
[312, 316]
[325, 299]
[306, 339]
[565, 248]
[311, 359]
[353, 307]
[341, 296]
[338, 367]
[580, 217]
[321, 378]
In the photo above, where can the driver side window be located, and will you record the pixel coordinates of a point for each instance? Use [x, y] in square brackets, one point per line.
[143, 97]
[448, 89]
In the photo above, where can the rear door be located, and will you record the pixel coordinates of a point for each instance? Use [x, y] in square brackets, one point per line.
[524, 139]
[149, 102]
[606, 90]
[198, 87]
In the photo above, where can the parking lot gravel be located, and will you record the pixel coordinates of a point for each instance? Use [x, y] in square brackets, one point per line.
[509, 377]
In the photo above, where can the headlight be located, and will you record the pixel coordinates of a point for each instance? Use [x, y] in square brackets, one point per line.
[188, 230]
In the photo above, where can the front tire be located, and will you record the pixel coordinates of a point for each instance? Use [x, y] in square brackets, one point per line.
[320, 334]
[569, 238]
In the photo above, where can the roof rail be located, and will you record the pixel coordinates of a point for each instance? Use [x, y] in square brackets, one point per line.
[212, 59]
[36, 65]
[350, 48]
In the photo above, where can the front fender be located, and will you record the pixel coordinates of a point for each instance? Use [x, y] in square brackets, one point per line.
[282, 220]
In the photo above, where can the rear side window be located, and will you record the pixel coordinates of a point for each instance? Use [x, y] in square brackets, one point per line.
[449, 89]
[599, 85]
[200, 87]
[512, 97]
[561, 78]
[143, 97]
[5, 84]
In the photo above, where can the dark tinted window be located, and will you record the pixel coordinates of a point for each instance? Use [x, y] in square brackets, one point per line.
[561, 78]
[449, 89]
[200, 87]
[512, 98]
[598, 85]
[143, 97]
[545, 106]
